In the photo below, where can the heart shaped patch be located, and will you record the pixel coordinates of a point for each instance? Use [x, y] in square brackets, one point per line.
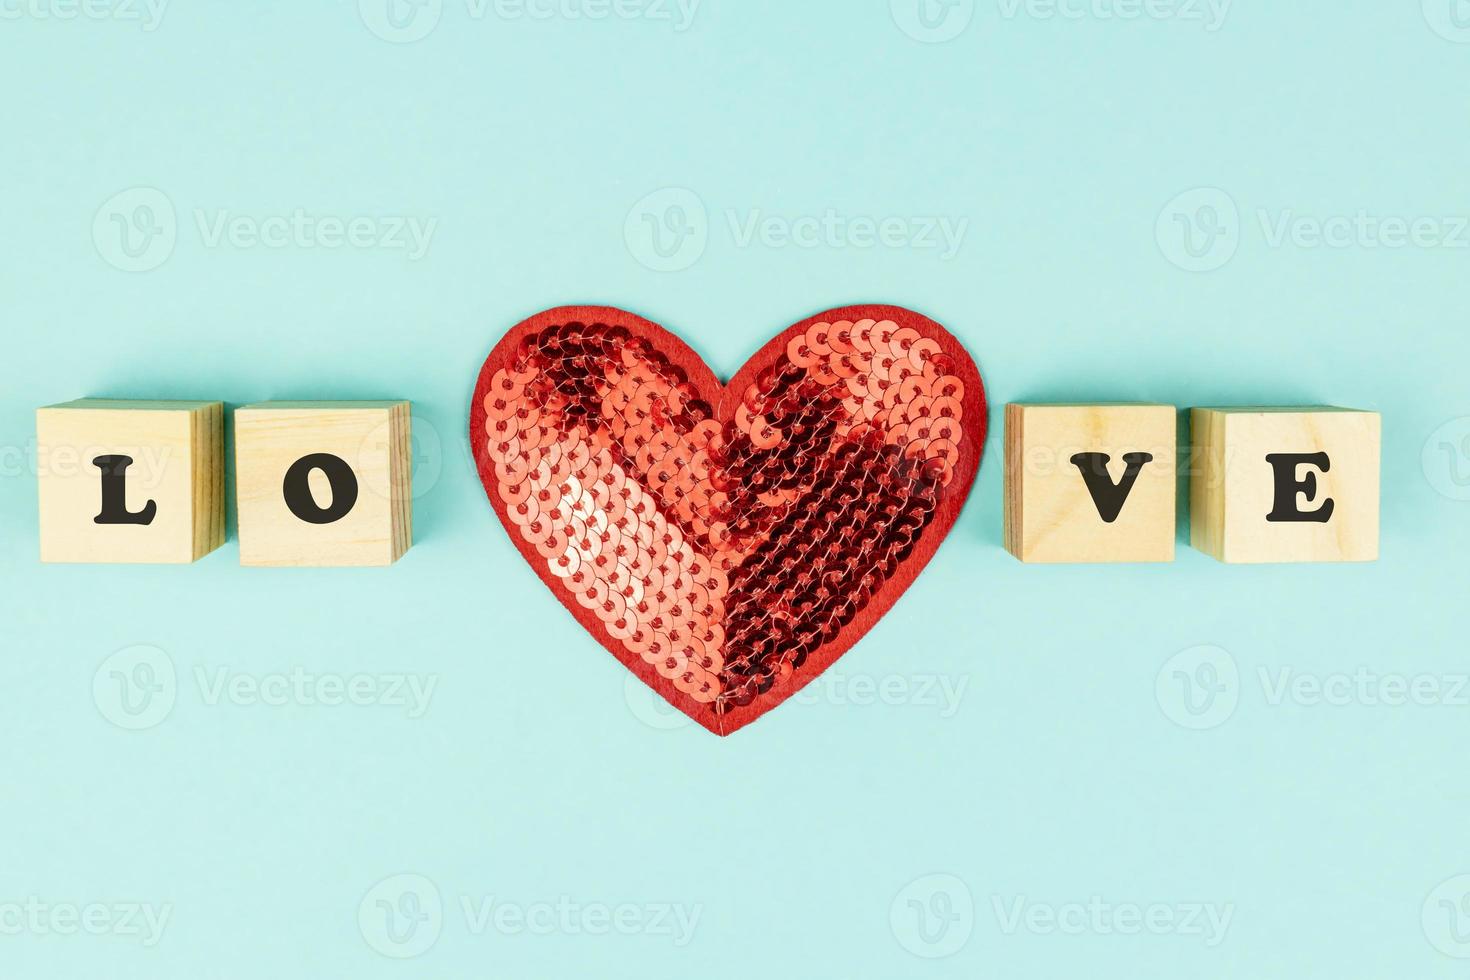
[728, 543]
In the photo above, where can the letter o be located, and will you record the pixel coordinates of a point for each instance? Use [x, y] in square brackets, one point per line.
[297, 490]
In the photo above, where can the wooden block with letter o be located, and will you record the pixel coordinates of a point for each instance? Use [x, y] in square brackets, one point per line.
[1285, 484]
[130, 481]
[323, 483]
[1090, 483]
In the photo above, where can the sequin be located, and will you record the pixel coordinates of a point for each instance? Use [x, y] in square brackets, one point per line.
[724, 554]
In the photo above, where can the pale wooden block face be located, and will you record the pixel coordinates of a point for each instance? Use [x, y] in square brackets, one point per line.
[175, 480]
[1251, 509]
[370, 438]
[1053, 515]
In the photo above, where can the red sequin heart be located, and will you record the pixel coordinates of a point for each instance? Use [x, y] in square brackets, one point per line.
[727, 543]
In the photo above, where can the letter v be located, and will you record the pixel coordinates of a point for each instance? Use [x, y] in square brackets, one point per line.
[1107, 495]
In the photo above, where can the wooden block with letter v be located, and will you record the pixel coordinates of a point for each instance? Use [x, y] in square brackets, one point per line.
[1090, 483]
[324, 483]
[130, 481]
[1285, 484]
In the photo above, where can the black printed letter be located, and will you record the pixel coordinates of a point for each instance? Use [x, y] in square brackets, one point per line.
[115, 493]
[1288, 486]
[298, 491]
[1109, 497]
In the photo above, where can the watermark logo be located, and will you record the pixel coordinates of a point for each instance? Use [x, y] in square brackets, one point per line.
[1363, 230]
[1446, 917]
[1210, 14]
[136, 687]
[135, 230]
[1450, 19]
[651, 709]
[141, 921]
[401, 916]
[668, 230]
[1207, 921]
[425, 452]
[404, 915]
[932, 21]
[148, 14]
[941, 693]
[1446, 459]
[401, 21]
[1202, 229]
[302, 229]
[407, 21]
[1198, 688]
[302, 688]
[832, 229]
[1199, 230]
[932, 917]
[1363, 688]
[1201, 687]
[485, 914]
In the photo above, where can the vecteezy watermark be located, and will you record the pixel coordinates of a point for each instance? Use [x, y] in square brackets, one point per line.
[404, 915]
[564, 916]
[1206, 921]
[932, 917]
[406, 21]
[137, 230]
[1450, 19]
[937, 21]
[1364, 688]
[137, 687]
[147, 469]
[426, 457]
[1445, 917]
[1198, 688]
[939, 693]
[1446, 459]
[401, 916]
[1210, 14]
[147, 14]
[650, 708]
[834, 230]
[932, 21]
[669, 230]
[1363, 229]
[34, 916]
[1201, 687]
[1201, 230]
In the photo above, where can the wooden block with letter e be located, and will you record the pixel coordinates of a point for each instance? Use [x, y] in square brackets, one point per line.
[324, 483]
[130, 481]
[1285, 484]
[1090, 483]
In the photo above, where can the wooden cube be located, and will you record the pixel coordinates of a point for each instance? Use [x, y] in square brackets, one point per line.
[1090, 483]
[130, 481]
[323, 483]
[1285, 484]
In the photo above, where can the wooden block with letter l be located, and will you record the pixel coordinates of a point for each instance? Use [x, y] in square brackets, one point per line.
[1090, 483]
[130, 481]
[324, 483]
[1285, 484]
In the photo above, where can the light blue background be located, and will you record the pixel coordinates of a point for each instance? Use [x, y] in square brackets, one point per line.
[1061, 776]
